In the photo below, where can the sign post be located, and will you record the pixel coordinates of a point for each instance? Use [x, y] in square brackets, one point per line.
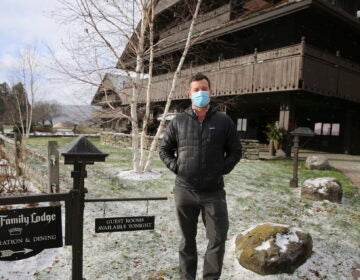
[79, 153]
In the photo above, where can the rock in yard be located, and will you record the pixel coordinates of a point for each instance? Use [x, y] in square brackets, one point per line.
[317, 162]
[325, 188]
[273, 248]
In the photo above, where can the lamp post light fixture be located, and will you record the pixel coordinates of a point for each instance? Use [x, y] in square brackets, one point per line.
[300, 131]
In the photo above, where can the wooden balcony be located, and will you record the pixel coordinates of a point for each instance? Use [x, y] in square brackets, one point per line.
[111, 98]
[294, 68]
[108, 113]
[205, 22]
[330, 75]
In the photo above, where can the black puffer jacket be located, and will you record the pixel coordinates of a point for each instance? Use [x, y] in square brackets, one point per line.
[200, 153]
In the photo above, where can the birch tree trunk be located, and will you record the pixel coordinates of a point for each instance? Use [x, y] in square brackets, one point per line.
[19, 111]
[172, 90]
[108, 25]
[30, 60]
[148, 88]
[137, 87]
[26, 75]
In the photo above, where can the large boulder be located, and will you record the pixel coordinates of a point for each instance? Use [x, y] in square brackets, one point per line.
[325, 188]
[273, 248]
[317, 162]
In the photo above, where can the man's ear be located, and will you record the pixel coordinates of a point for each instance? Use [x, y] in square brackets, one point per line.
[189, 94]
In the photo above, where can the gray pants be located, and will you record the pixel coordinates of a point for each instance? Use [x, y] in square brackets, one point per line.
[213, 209]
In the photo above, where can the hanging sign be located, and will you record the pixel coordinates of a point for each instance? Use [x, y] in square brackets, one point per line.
[26, 232]
[124, 224]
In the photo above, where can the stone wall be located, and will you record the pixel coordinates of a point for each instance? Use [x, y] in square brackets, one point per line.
[121, 140]
[250, 147]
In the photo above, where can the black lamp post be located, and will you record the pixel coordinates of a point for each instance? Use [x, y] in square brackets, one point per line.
[79, 153]
[300, 131]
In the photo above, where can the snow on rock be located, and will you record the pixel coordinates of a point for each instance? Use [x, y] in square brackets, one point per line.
[325, 188]
[272, 248]
[317, 162]
[283, 240]
[264, 246]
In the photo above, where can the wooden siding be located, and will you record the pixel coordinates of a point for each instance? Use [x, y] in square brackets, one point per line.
[293, 68]
[205, 22]
[331, 75]
[277, 70]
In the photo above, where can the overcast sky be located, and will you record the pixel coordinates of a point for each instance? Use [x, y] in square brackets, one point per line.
[29, 22]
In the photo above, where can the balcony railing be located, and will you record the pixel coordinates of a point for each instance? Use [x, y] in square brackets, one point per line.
[330, 75]
[110, 98]
[206, 21]
[292, 68]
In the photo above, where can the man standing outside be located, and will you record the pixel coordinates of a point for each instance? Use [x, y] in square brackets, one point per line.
[201, 145]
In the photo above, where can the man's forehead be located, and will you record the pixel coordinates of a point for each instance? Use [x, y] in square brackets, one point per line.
[202, 82]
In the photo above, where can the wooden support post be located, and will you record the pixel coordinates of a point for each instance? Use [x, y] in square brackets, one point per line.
[348, 131]
[77, 223]
[294, 180]
[286, 117]
[18, 156]
[53, 167]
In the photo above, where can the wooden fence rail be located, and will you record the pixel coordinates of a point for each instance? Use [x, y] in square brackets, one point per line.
[18, 159]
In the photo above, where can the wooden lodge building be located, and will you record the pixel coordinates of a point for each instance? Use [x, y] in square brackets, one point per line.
[109, 93]
[295, 62]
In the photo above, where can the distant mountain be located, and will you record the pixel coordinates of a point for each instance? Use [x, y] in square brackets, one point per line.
[77, 114]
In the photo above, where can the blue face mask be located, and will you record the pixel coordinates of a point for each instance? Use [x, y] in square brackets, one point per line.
[200, 98]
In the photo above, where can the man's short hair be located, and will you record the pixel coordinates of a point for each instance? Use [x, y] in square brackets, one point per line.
[198, 77]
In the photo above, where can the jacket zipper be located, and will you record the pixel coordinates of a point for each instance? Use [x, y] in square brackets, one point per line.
[200, 148]
[200, 145]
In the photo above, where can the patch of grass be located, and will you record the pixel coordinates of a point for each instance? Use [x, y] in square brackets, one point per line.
[41, 141]
[286, 167]
[276, 173]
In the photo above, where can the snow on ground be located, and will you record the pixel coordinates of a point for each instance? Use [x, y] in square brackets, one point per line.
[257, 192]
[26, 269]
[142, 176]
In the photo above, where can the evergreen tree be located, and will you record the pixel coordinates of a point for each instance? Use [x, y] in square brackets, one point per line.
[4, 90]
[4, 96]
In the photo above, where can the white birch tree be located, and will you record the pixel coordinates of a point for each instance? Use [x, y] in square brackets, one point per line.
[28, 76]
[154, 143]
[107, 26]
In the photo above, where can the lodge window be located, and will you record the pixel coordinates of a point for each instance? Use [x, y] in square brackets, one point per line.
[241, 124]
[329, 129]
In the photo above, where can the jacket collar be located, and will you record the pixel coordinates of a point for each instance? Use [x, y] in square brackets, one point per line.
[212, 110]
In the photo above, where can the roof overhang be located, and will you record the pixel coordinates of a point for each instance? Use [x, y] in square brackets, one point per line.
[263, 16]
[162, 5]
